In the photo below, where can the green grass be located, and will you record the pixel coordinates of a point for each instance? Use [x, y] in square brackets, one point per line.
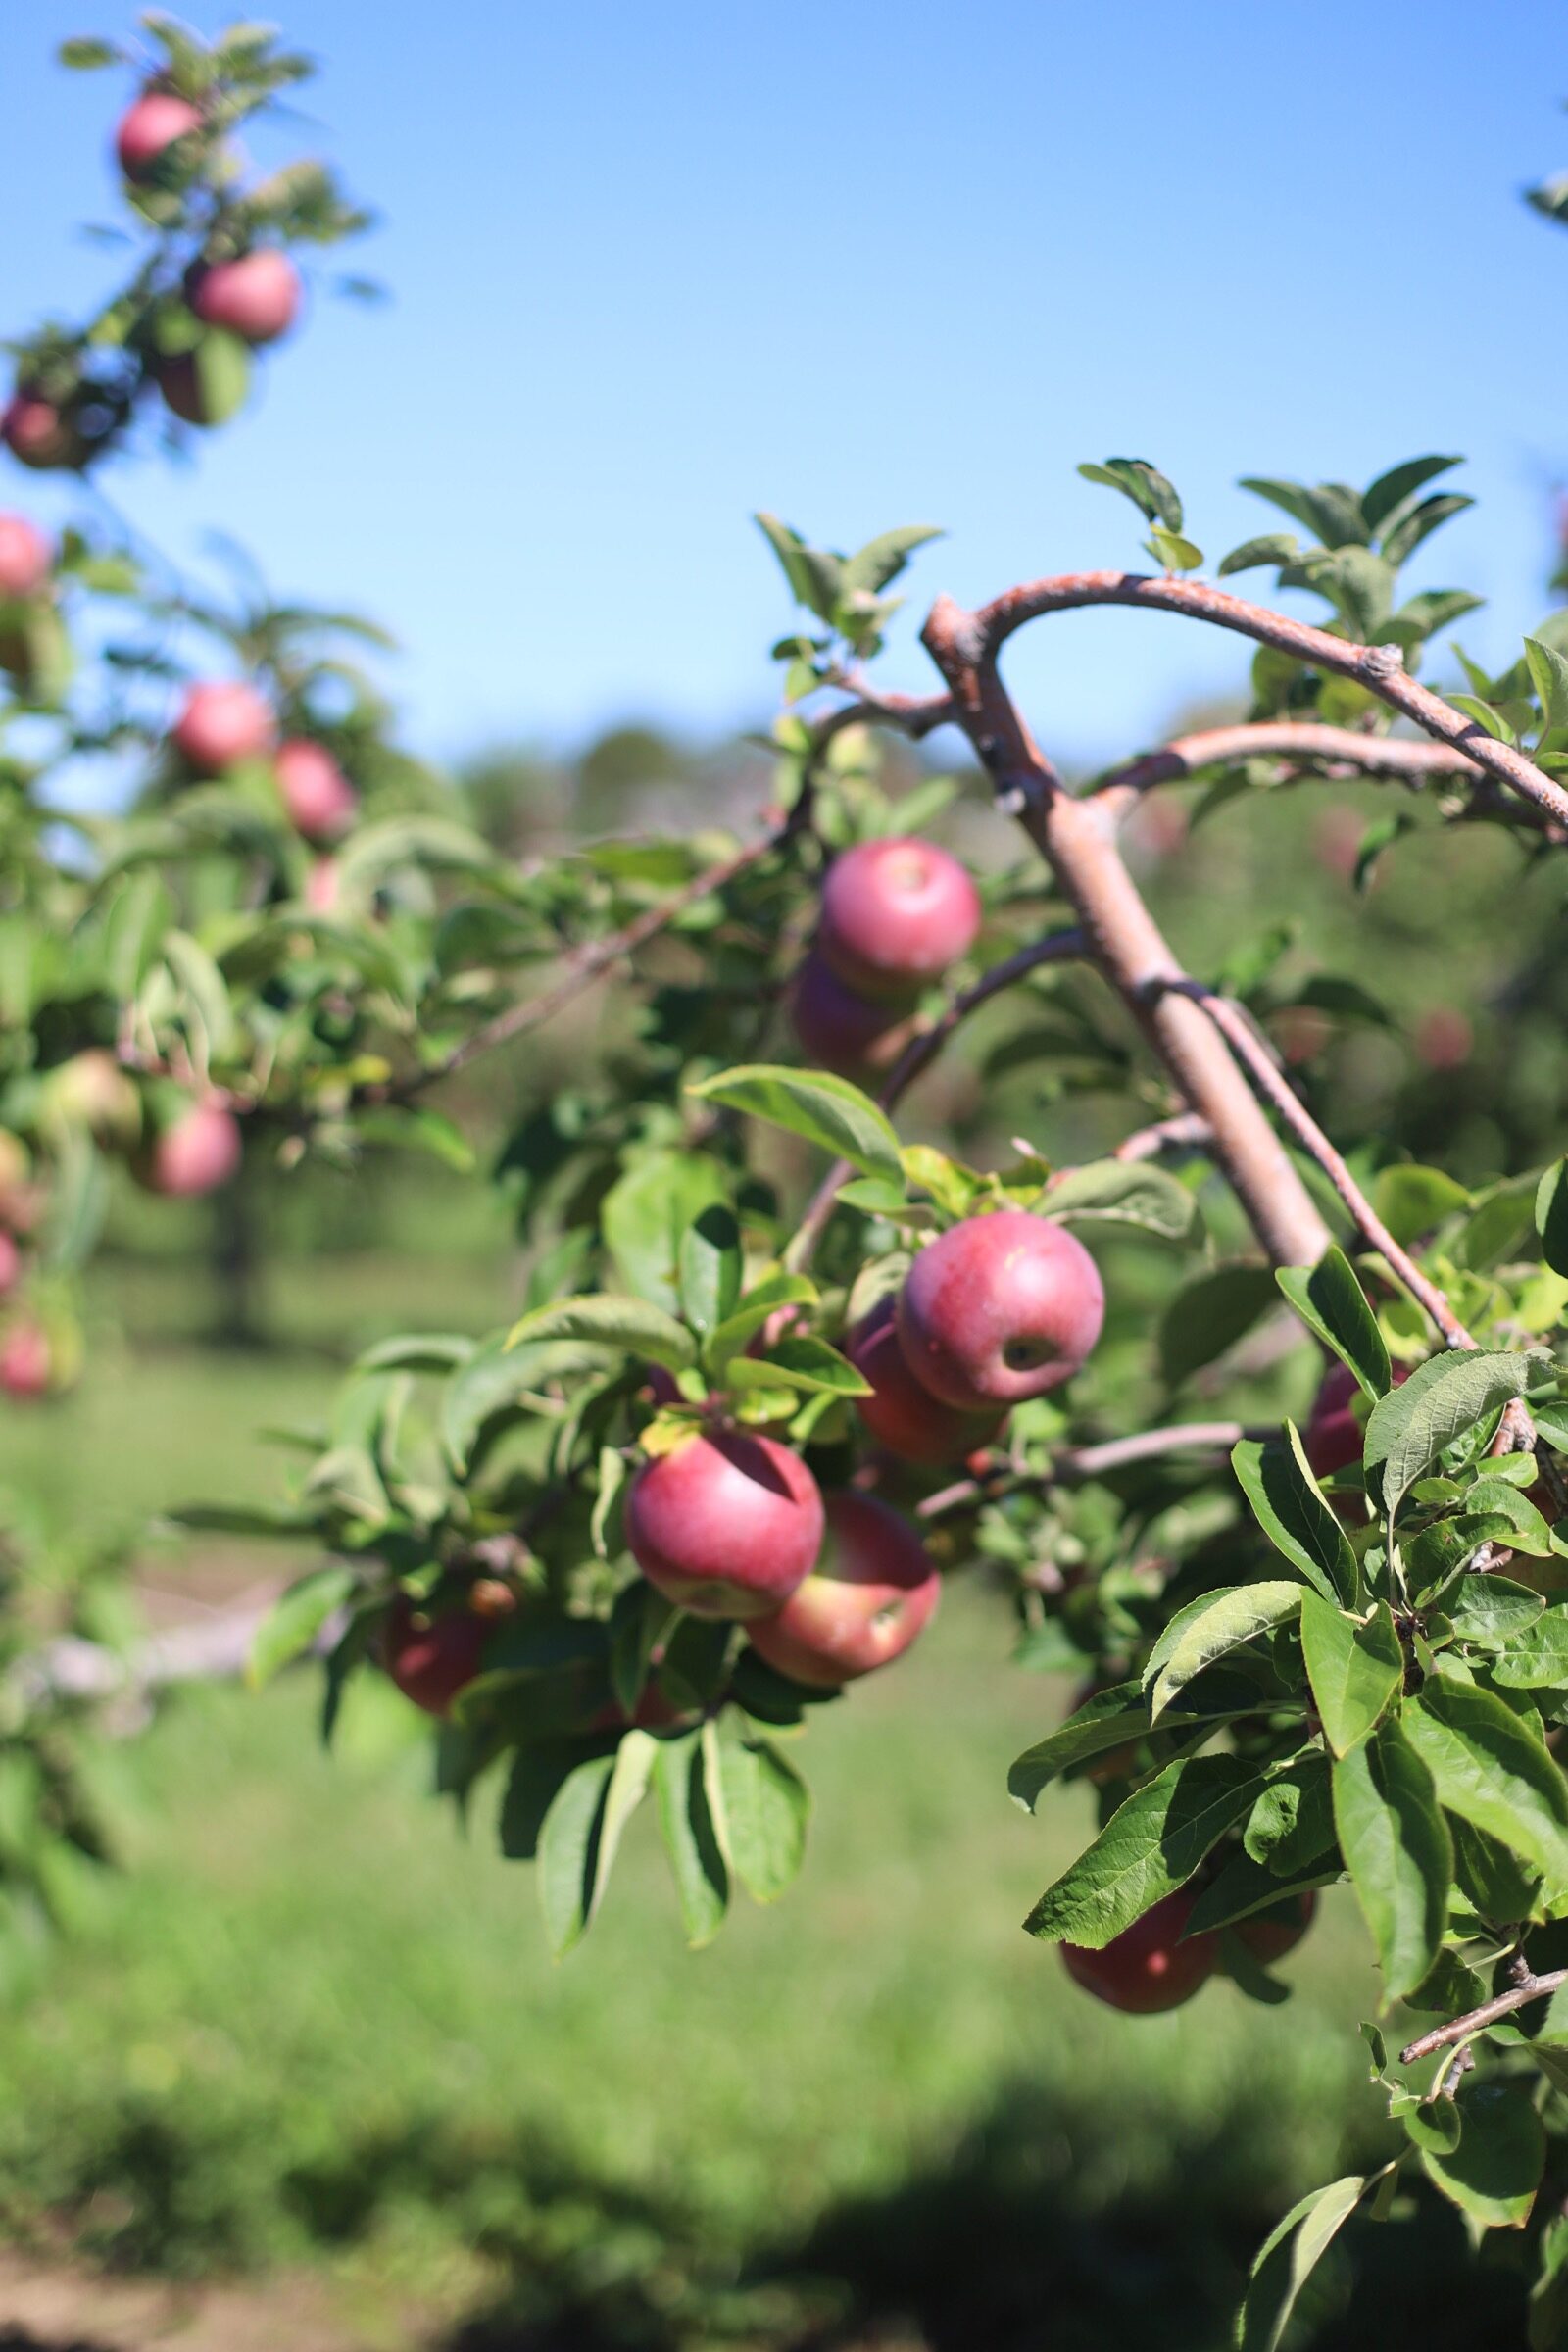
[315, 2025]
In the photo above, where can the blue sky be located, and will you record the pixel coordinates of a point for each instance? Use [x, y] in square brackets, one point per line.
[657, 265]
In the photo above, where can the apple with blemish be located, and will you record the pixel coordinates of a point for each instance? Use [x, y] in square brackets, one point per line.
[895, 915]
[870, 1595]
[998, 1308]
[900, 1412]
[1149, 1967]
[222, 722]
[726, 1525]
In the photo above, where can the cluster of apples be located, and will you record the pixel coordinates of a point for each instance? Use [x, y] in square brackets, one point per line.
[190, 1145]
[896, 913]
[253, 294]
[224, 724]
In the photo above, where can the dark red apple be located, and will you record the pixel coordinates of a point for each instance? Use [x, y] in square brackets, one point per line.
[895, 915]
[256, 297]
[727, 1525]
[149, 127]
[26, 557]
[998, 1308]
[901, 1413]
[318, 797]
[872, 1592]
[1147, 1966]
[198, 1151]
[39, 434]
[221, 723]
[1269, 1934]
[432, 1654]
[842, 1031]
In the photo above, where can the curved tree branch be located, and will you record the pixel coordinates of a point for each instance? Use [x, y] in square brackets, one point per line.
[1336, 750]
[1380, 668]
[1519, 1995]
[1076, 840]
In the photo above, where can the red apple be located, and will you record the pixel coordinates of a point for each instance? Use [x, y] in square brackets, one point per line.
[727, 1525]
[901, 1413]
[26, 557]
[842, 1031]
[256, 297]
[26, 1360]
[197, 1152]
[1147, 1966]
[1269, 1934]
[432, 1654]
[895, 915]
[221, 723]
[149, 127]
[998, 1308]
[318, 797]
[872, 1593]
[40, 434]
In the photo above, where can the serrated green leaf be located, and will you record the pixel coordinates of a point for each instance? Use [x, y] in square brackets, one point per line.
[1331, 1303]
[1295, 1514]
[1354, 1669]
[1409, 1428]
[1150, 1845]
[808, 1366]
[1397, 1851]
[1151, 493]
[1114, 1191]
[1491, 1767]
[687, 1823]
[296, 1618]
[766, 1809]
[880, 561]
[1494, 2171]
[1288, 2259]
[607, 1321]
[827, 1111]
[1223, 1622]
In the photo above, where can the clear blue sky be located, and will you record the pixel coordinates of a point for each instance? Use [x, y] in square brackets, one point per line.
[656, 266]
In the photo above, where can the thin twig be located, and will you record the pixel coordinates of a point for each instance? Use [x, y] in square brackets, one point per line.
[1057, 947]
[1475, 2021]
[1185, 1132]
[1380, 668]
[1075, 1465]
[586, 964]
[1315, 748]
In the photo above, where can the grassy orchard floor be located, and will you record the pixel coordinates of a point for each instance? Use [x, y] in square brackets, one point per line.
[313, 2031]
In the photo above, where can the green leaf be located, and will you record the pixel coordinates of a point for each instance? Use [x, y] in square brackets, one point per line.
[1409, 1428]
[1490, 1767]
[766, 1808]
[296, 1618]
[810, 1366]
[1172, 551]
[1331, 1303]
[827, 1111]
[814, 576]
[880, 561]
[1355, 1670]
[1208, 1315]
[1536, 1659]
[1551, 1218]
[84, 55]
[1151, 493]
[632, 1324]
[416, 1127]
[1382, 498]
[1412, 1200]
[1489, 1612]
[1104, 1721]
[1493, 2173]
[710, 1269]
[639, 1621]
[1331, 510]
[1291, 1828]
[1114, 1191]
[1290, 1509]
[1397, 1851]
[1288, 2259]
[1549, 674]
[763, 1301]
[1223, 1622]
[1402, 538]
[690, 1832]
[1273, 547]
[1150, 1845]
[569, 1851]
[644, 1215]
